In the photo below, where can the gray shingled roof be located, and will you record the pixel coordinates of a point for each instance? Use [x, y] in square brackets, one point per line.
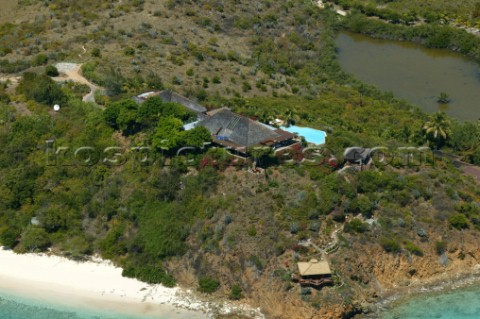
[228, 126]
[169, 96]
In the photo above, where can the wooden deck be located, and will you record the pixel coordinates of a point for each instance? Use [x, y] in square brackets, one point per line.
[317, 282]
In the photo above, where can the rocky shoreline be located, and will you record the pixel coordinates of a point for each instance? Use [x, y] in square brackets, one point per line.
[440, 284]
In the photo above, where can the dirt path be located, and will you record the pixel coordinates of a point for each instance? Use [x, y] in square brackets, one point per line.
[467, 168]
[72, 71]
[84, 51]
[13, 79]
[329, 248]
[473, 171]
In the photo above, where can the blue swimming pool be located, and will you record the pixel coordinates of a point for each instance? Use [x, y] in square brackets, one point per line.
[311, 135]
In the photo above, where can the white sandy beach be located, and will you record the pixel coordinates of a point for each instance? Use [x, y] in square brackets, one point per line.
[96, 285]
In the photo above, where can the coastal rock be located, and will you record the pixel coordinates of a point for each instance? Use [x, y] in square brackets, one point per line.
[368, 308]
[422, 233]
[443, 260]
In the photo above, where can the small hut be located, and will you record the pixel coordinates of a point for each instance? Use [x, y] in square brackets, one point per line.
[314, 273]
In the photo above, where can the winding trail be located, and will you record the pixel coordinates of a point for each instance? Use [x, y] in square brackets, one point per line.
[331, 247]
[72, 72]
[13, 79]
[84, 51]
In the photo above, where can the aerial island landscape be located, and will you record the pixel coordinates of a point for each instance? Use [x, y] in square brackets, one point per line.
[235, 159]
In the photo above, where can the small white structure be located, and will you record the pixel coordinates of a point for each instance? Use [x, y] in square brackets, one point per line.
[56, 107]
[320, 4]
[147, 95]
[34, 221]
[278, 122]
[190, 126]
[342, 13]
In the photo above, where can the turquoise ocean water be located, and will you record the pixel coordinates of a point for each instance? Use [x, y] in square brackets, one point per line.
[458, 304]
[16, 307]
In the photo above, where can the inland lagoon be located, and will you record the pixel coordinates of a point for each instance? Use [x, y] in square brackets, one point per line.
[414, 73]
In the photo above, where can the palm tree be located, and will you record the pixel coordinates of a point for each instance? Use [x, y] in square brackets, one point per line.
[291, 116]
[437, 129]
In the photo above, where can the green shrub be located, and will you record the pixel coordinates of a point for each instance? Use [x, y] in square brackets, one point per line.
[246, 86]
[202, 95]
[9, 238]
[40, 59]
[153, 274]
[362, 205]
[34, 239]
[113, 245]
[129, 51]
[440, 247]
[413, 249]
[4, 51]
[51, 70]
[279, 249]
[41, 88]
[54, 220]
[176, 80]
[390, 245]
[459, 221]
[208, 285]
[236, 293]
[474, 158]
[13, 67]
[243, 23]
[356, 225]
[256, 262]
[88, 71]
[96, 53]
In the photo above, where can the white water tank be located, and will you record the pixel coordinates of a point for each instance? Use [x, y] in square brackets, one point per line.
[56, 107]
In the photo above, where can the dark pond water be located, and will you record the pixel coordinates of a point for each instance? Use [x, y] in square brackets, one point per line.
[414, 73]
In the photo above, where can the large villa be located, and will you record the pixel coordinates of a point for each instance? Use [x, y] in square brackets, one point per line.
[236, 132]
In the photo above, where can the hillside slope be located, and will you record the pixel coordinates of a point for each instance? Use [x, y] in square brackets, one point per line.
[225, 230]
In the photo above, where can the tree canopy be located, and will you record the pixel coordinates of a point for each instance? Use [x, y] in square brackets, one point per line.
[41, 88]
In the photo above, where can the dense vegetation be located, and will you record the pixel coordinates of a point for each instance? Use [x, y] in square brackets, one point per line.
[169, 215]
[464, 13]
[431, 35]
